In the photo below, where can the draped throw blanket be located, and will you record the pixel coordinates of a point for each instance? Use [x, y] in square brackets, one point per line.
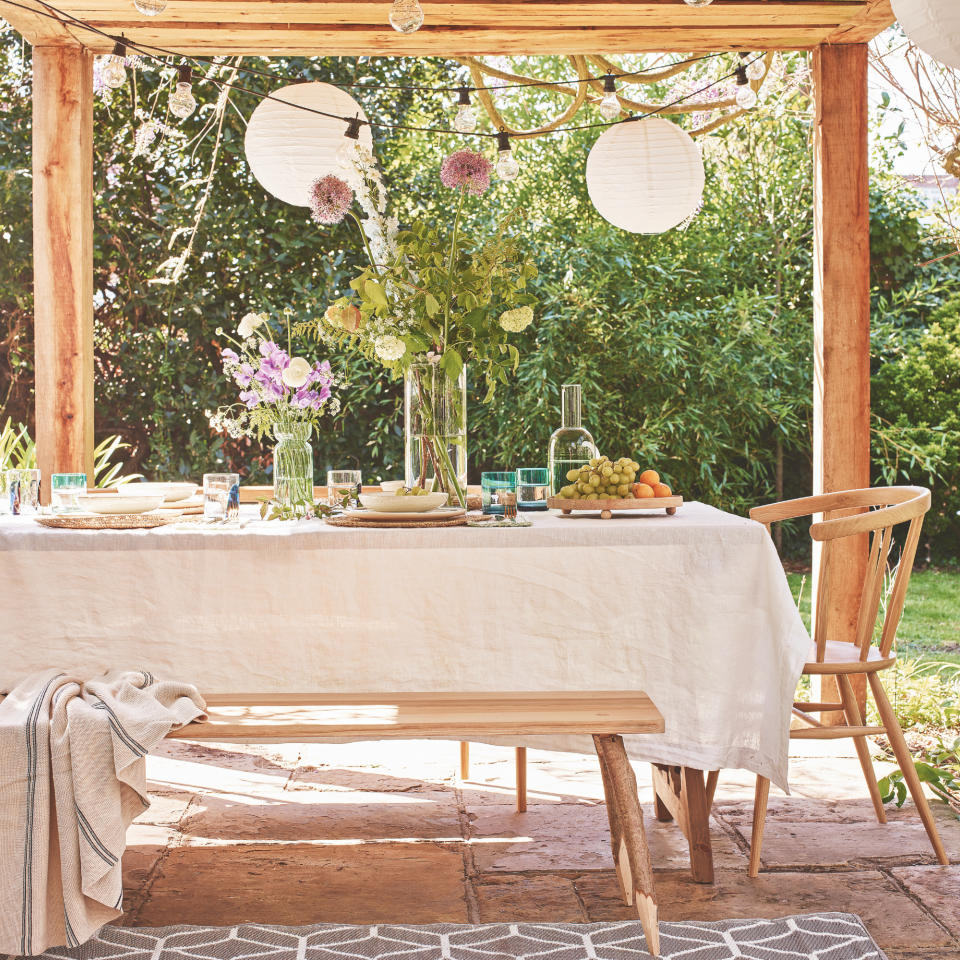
[72, 778]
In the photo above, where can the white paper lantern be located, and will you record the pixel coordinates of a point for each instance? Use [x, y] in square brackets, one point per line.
[933, 25]
[288, 148]
[646, 176]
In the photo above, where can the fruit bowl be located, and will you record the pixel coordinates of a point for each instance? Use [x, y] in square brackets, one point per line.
[607, 507]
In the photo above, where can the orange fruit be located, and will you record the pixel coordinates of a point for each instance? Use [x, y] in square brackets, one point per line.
[650, 477]
[643, 490]
[662, 490]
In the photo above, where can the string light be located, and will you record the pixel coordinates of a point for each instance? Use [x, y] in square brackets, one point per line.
[406, 16]
[609, 105]
[347, 151]
[699, 3]
[114, 72]
[182, 102]
[756, 69]
[746, 96]
[507, 166]
[465, 120]
[150, 8]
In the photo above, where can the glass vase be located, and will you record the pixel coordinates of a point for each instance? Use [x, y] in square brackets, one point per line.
[292, 463]
[435, 431]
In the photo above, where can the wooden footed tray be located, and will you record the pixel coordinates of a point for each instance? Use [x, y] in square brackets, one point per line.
[607, 507]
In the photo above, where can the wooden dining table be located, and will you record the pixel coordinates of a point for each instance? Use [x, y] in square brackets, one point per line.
[694, 609]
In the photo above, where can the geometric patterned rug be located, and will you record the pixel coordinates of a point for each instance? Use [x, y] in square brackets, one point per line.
[813, 936]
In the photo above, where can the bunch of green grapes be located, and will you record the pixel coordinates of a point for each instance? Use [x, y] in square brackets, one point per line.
[602, 479]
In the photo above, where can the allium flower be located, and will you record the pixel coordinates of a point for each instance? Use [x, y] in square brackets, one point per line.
[389, 348]
[330, 199]
[248, 324]
[296, 373]
[466, 169]
[517, 319]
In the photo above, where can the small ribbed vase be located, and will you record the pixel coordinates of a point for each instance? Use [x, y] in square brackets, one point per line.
[293, 464]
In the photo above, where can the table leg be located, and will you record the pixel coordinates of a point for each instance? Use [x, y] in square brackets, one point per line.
[631, 853]
[682, 791]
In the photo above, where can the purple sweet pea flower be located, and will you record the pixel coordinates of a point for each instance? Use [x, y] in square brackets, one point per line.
[229, 356]
[325, 392]
[250, 398]
[272, 391]
[243, 375]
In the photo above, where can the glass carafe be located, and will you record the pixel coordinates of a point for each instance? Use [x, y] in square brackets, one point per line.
[571, 446]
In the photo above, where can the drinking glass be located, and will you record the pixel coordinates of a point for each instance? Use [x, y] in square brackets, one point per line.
[533, 488]
[492, 488]
[342, 485]
[65, 490]
[221, 496]
[21, 492]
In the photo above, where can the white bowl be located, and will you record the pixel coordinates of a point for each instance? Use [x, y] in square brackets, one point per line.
[105, 503]
[391, 486]
[171, 492]
[391, 503]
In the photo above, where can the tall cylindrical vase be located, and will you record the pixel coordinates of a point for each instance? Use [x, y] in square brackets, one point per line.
[435, 431]
[293, 464]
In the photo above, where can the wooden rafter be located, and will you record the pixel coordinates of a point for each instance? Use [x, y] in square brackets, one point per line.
[462, 27]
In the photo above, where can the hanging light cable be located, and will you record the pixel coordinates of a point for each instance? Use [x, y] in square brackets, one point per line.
[746, 96]
[182, 102]
[465, 120]
[114, 72]
[507, 166]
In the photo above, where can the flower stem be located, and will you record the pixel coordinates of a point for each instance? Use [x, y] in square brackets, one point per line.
[453, 254]
[366, 241]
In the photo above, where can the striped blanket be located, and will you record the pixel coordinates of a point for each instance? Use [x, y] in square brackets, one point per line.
[72, 778]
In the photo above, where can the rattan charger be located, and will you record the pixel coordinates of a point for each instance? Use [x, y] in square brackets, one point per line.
[116, 521]
[342, 521]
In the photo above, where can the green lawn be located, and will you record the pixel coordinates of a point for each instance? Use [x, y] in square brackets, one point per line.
[931, 619]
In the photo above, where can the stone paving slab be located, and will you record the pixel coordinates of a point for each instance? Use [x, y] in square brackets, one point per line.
[939, 890]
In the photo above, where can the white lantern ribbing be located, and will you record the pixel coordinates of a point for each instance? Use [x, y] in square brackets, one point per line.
[288, 148]
[933, 25]
[645, 176]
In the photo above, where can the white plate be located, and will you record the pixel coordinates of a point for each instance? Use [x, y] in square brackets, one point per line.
[105, 503]
[391, 503]
[171, 492]
[441, 513]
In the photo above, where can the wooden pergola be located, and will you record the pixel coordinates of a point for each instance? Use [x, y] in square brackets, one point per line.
[836, 31]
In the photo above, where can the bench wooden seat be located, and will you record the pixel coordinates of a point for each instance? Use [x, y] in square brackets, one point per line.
[298, 717]
[459, 716]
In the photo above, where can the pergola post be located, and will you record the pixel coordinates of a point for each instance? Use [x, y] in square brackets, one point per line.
[841, 313]
[63, 259]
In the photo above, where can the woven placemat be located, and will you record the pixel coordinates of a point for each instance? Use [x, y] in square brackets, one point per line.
[132, 521]
[370, 524]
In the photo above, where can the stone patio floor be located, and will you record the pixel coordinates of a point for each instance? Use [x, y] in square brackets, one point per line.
[385, 832]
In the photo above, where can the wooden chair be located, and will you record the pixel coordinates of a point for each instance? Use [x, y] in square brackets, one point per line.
[873, 514]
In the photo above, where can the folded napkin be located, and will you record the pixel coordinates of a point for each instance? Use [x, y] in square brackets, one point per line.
[72, 778]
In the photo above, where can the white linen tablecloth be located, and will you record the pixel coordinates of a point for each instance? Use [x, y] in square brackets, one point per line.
[694, 609]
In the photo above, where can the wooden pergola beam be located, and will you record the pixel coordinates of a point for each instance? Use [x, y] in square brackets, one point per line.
[841, 316]
[63, 259]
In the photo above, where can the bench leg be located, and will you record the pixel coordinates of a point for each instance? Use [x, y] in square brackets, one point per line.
[686, 797]
[631, 853]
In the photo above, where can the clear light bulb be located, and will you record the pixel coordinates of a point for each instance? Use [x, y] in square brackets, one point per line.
[406, 16]
[610, 106]
[182, 102]
[507, 166]
[756, 70]
[114, 73]
[746, 97]
[150, 8]
[465, 120]
[699, 3]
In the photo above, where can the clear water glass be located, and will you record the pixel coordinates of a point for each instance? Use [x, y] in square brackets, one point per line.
[533, 488]
[343, 485]
[493, 486]
[20, 492]
[65, 491]
[221, 496]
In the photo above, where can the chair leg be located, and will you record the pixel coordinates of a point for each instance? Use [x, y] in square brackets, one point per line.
[464, 760]
[905, 762]
[760, 797]
[521, 779]
[852, 711]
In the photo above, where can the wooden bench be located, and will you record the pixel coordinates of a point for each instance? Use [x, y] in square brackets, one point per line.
[606, 716]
